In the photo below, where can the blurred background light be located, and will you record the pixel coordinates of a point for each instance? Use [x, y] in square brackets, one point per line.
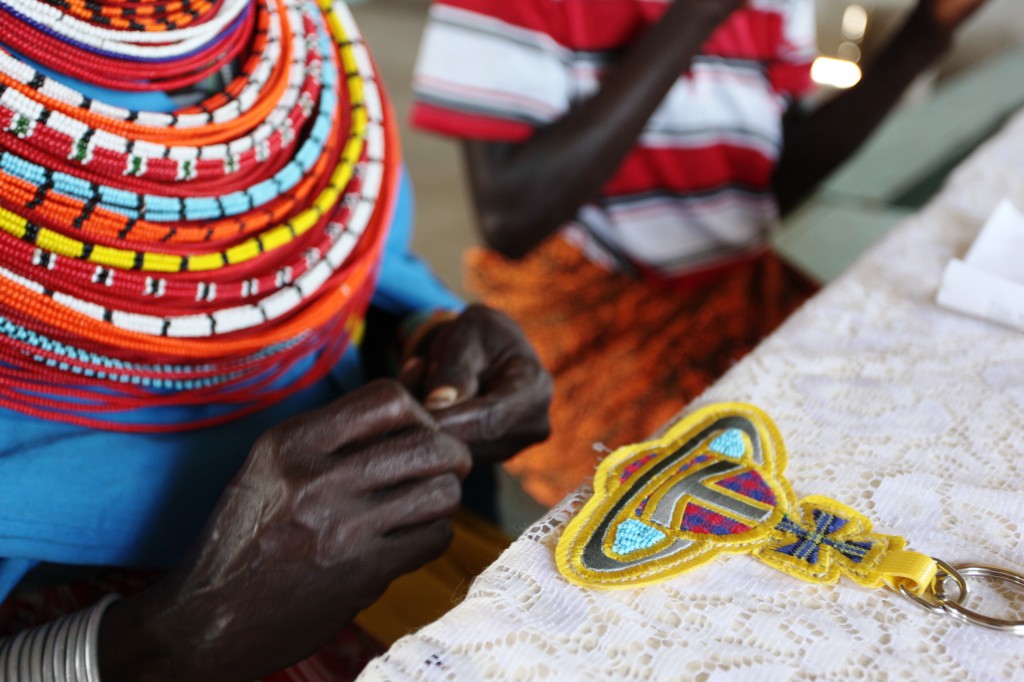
[837, 73]
[848, 51]
[855, 23]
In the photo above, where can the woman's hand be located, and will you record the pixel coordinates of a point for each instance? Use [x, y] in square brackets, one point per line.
[482, 382]
[327, 510]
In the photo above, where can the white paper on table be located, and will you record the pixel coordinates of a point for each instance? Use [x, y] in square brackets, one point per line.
[989, 281]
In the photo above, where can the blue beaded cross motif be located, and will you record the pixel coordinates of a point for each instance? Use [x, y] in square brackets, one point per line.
[810, 540]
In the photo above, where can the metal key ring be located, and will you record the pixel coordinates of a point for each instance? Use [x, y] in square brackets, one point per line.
[956, 608]
[937, 588]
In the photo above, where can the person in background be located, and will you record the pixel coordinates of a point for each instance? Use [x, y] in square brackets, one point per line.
[210, 461]
[627, 159]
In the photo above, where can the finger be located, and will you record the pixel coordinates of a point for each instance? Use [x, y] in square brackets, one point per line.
[416, 453]
[413, 546]
[417, 502]
[411, 374]
[519, 394]
[378, 408]
[526, 434]
[455, 360]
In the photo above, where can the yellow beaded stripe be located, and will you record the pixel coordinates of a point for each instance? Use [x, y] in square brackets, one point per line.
[271, 239]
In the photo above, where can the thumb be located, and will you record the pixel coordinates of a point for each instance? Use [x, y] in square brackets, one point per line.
[454, 362]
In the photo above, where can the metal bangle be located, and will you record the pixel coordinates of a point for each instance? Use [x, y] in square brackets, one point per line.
[14, 655]
[36, 650]
[70, 654]
[60, 647]
[92, 637]
[49, 674]
[957, 610]
[30, 667]
[5, 648]
[63, 650]
[67, 657]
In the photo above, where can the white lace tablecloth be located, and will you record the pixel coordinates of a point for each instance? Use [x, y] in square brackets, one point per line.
[910, 413]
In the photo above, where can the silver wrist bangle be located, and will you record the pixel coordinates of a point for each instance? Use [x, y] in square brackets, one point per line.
[65, 650]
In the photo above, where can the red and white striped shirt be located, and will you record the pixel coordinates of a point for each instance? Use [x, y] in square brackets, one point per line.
[695, 192]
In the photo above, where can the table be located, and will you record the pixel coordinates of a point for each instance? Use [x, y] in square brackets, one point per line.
[911, 414]
[899, 164]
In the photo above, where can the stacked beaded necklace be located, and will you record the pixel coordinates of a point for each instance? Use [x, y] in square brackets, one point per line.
[163, 260]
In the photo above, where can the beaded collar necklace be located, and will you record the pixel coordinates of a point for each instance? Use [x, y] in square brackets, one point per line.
[152, 260]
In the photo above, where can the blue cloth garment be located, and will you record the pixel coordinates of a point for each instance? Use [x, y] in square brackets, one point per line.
[70, 495]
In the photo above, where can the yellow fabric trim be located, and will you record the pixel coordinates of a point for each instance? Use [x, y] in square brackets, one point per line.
[831, 563]
[912, 570]
[608, 492]
[799, 545]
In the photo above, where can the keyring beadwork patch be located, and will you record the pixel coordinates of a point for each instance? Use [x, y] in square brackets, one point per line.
[713, 485]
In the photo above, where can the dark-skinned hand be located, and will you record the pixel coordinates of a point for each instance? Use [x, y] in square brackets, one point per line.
[482, 382]
[327, 510]
[949, 14]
